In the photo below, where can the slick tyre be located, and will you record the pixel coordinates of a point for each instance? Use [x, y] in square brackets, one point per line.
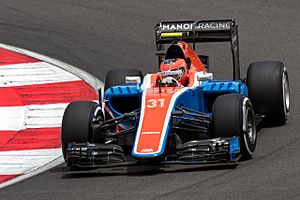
[118, 76]
[268, 85]
[76, 123]
[233, 115]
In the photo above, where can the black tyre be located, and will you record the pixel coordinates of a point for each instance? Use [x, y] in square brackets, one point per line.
[268, 86]
[233, 115]
[76, 123]
[118, 76]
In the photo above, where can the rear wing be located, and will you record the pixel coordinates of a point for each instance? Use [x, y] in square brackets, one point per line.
[226, 30]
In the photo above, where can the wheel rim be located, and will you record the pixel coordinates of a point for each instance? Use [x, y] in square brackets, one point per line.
[251, 129]
[97, 116]
[249, 135]
[286, 93]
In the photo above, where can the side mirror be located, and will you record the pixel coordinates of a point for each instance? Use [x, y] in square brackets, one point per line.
[133, 79]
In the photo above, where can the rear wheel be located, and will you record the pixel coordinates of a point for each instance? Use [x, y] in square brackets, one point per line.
[118, 76]
[233, 115]
[76, 124]
[269, 92]
[121, 104]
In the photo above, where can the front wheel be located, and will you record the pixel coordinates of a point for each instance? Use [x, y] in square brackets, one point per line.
[76, 123]
[233, 115]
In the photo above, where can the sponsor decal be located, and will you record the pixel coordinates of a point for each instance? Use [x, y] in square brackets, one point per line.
[147, 150]
[150, 132]
[198, 26]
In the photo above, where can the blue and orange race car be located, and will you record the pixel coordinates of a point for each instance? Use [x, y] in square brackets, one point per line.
[180, 114]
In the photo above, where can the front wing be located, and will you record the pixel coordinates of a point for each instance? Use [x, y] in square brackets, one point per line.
[217, 150]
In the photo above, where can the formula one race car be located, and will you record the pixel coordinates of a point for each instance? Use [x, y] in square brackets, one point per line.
[179, 114]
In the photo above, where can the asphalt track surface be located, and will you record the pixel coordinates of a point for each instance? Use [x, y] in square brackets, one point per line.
[100, 35]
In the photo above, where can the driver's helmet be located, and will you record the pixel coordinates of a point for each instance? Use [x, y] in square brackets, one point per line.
[176, 64]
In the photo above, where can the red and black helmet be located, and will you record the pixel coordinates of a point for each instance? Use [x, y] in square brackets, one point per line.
[176, 64]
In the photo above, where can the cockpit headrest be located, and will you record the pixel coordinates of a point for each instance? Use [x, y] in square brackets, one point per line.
[174, 51]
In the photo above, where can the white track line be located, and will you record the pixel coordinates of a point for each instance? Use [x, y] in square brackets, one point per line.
[35, 171]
